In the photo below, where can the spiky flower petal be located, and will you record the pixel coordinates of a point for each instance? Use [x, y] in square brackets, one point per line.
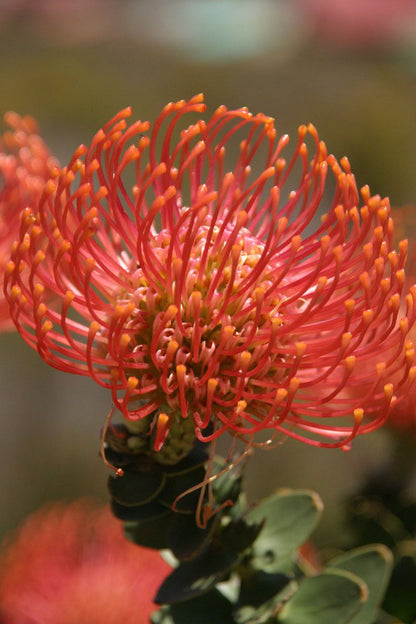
[25, 166]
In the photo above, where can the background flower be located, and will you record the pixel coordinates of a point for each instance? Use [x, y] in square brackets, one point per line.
[212, 292]
[70, 564]
[25, 165]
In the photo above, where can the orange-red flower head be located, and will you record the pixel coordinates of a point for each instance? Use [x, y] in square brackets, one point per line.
[71, 563]
[204, 275]
[25, 166]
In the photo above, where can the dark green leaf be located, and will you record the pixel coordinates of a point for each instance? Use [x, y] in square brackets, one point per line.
[373, 564]
[185, 538]
[290, 517]
[138, 512]
[211, 608]
[177, 490]
[259, 597]
[237, 536]
[198, 576]
[333, 597]
[152, 533]
[136, 488]
[400, 597]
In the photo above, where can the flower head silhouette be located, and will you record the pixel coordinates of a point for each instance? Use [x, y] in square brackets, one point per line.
[25, 166]
[210, 281]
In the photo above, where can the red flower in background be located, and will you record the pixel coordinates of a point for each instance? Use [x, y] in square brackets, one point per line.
[25, 166]
[70, 563]
[358, 23]
[198, 278]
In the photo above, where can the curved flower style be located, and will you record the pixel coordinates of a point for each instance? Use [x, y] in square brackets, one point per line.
[211, 294]
[71, 563]
[25, 166]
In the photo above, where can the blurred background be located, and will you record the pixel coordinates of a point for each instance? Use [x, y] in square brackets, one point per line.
[348, 66]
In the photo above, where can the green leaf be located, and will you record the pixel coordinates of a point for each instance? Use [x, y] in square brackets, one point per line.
[180, 484]
[197, 576]
[151, 532]
[373, 564]
[137, 512]
[260, 594]
[136, 488]
[185, 538]
[206, 609]
[400, 597]
[333, 597]
[290, 517]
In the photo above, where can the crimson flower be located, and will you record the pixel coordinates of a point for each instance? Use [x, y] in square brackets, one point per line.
[208, 280]
[71, 563]
[25, 166]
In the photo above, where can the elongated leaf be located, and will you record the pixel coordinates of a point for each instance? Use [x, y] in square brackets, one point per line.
[333, 597]
[373, 564]
[290, 517]
[208, 609]
[197, 576]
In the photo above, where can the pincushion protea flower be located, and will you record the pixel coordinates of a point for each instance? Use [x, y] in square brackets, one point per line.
[25, 166]
[201, 287]
[71, 563]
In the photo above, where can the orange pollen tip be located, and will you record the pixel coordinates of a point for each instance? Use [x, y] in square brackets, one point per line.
[294, 384]
[101, 193]
[173, 346]
[125, 340]
[349, 305]
[358, 415]
[412, 374]
[38, 290]
[132, 383]
[212, 385]
[346, 339]
[180, 372]
[196, 297]
[10, 267]
[388, 391]
[410, 355]
[15, 292]
[404, 325]
[350, 362]
[380, 369]
[245, 359]
[241, 406]
[368, 316]
[325, 242]
[340, 212]
[281, 394]
[296, 242]
[69, 297]
[94, 327]
[242, 218]
[236, 251]
[337, 251]
[228, 331]
[400, 276]
[50, 187]
[259, 294]
[171, 312]
[395, 301]
[300, 348]
[46, 327]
